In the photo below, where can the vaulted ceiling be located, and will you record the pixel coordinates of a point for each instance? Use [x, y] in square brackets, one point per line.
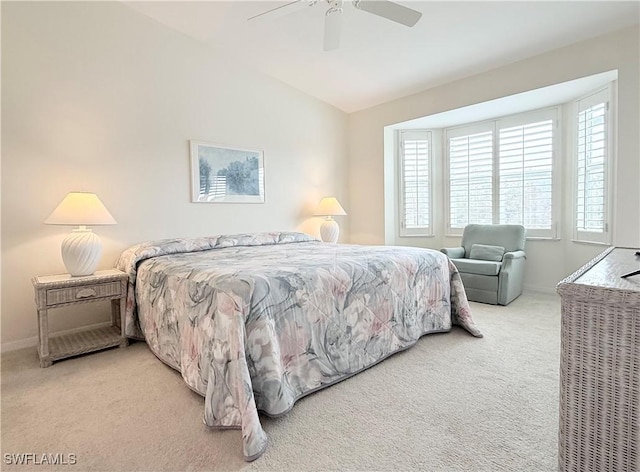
[379, 60]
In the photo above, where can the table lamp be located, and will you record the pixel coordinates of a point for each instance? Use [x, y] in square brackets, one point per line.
[82, 248]
[329, 207]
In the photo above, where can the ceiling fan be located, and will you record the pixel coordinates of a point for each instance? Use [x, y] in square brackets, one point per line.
[333, 16]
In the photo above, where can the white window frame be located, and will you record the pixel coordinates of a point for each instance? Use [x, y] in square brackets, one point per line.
[414, 134]
[602, 95]
[550, 113]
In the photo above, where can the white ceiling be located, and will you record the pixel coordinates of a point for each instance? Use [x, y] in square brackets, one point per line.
[380, 60]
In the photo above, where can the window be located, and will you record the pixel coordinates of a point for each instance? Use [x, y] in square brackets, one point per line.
[503, 172]
[470, 178]
[415, 183]
[525, 160]
[591, 170]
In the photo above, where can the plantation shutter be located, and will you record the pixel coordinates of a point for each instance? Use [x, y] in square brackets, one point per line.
[470, 179]
[591, 168]
[525, 173]
[415, 182]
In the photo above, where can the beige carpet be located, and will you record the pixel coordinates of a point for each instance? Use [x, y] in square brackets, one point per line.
[450, 403]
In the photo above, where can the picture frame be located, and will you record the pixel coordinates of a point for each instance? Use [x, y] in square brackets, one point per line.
[226, 174]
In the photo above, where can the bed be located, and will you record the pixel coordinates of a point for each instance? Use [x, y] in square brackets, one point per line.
[256, 321]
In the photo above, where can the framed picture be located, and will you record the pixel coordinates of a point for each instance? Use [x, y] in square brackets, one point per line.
[223, 174]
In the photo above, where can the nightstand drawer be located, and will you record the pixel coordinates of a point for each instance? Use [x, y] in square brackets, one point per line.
[83, 292]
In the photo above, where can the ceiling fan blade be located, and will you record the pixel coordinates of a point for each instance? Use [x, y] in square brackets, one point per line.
[332, 29]
[282, 10]
[390, 10]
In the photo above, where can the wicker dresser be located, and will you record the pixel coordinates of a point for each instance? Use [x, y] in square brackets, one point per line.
[600, 366]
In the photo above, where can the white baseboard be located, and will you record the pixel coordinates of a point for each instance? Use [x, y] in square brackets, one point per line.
[33, 342]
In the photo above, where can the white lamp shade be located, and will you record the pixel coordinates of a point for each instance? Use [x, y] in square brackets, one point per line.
[80, 208]
[82, 249]
[330, 206]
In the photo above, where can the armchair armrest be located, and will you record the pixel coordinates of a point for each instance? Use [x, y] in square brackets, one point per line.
[511, 276]
[514, 255]
[453, 252]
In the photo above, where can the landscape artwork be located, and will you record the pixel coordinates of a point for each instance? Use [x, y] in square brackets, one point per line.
[223, 174]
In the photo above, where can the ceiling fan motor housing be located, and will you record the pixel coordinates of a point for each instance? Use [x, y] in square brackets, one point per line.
[333, 16]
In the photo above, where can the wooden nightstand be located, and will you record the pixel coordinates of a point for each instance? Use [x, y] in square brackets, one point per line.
[56, 291]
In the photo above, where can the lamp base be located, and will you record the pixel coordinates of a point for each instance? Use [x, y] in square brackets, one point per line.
[329, 230]
[81, 252]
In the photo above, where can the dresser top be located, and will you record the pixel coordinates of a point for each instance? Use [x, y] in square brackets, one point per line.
[605, 271]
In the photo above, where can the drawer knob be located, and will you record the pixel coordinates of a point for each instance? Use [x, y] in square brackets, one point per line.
[86, 293]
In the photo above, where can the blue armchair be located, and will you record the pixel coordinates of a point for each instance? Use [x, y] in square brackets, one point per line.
[491, 262]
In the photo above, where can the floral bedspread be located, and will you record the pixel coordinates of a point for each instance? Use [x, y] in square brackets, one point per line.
[256, 321]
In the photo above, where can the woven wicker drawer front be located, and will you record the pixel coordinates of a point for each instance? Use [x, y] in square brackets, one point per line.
[87, 292]
[599, 388]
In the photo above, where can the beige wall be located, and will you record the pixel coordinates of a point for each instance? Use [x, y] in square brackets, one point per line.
[548, 261]
[96, 97]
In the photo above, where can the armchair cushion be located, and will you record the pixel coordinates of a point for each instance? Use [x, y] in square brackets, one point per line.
[486, 252]
[475, 266]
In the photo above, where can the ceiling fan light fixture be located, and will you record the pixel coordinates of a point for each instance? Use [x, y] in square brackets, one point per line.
[333, 16]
